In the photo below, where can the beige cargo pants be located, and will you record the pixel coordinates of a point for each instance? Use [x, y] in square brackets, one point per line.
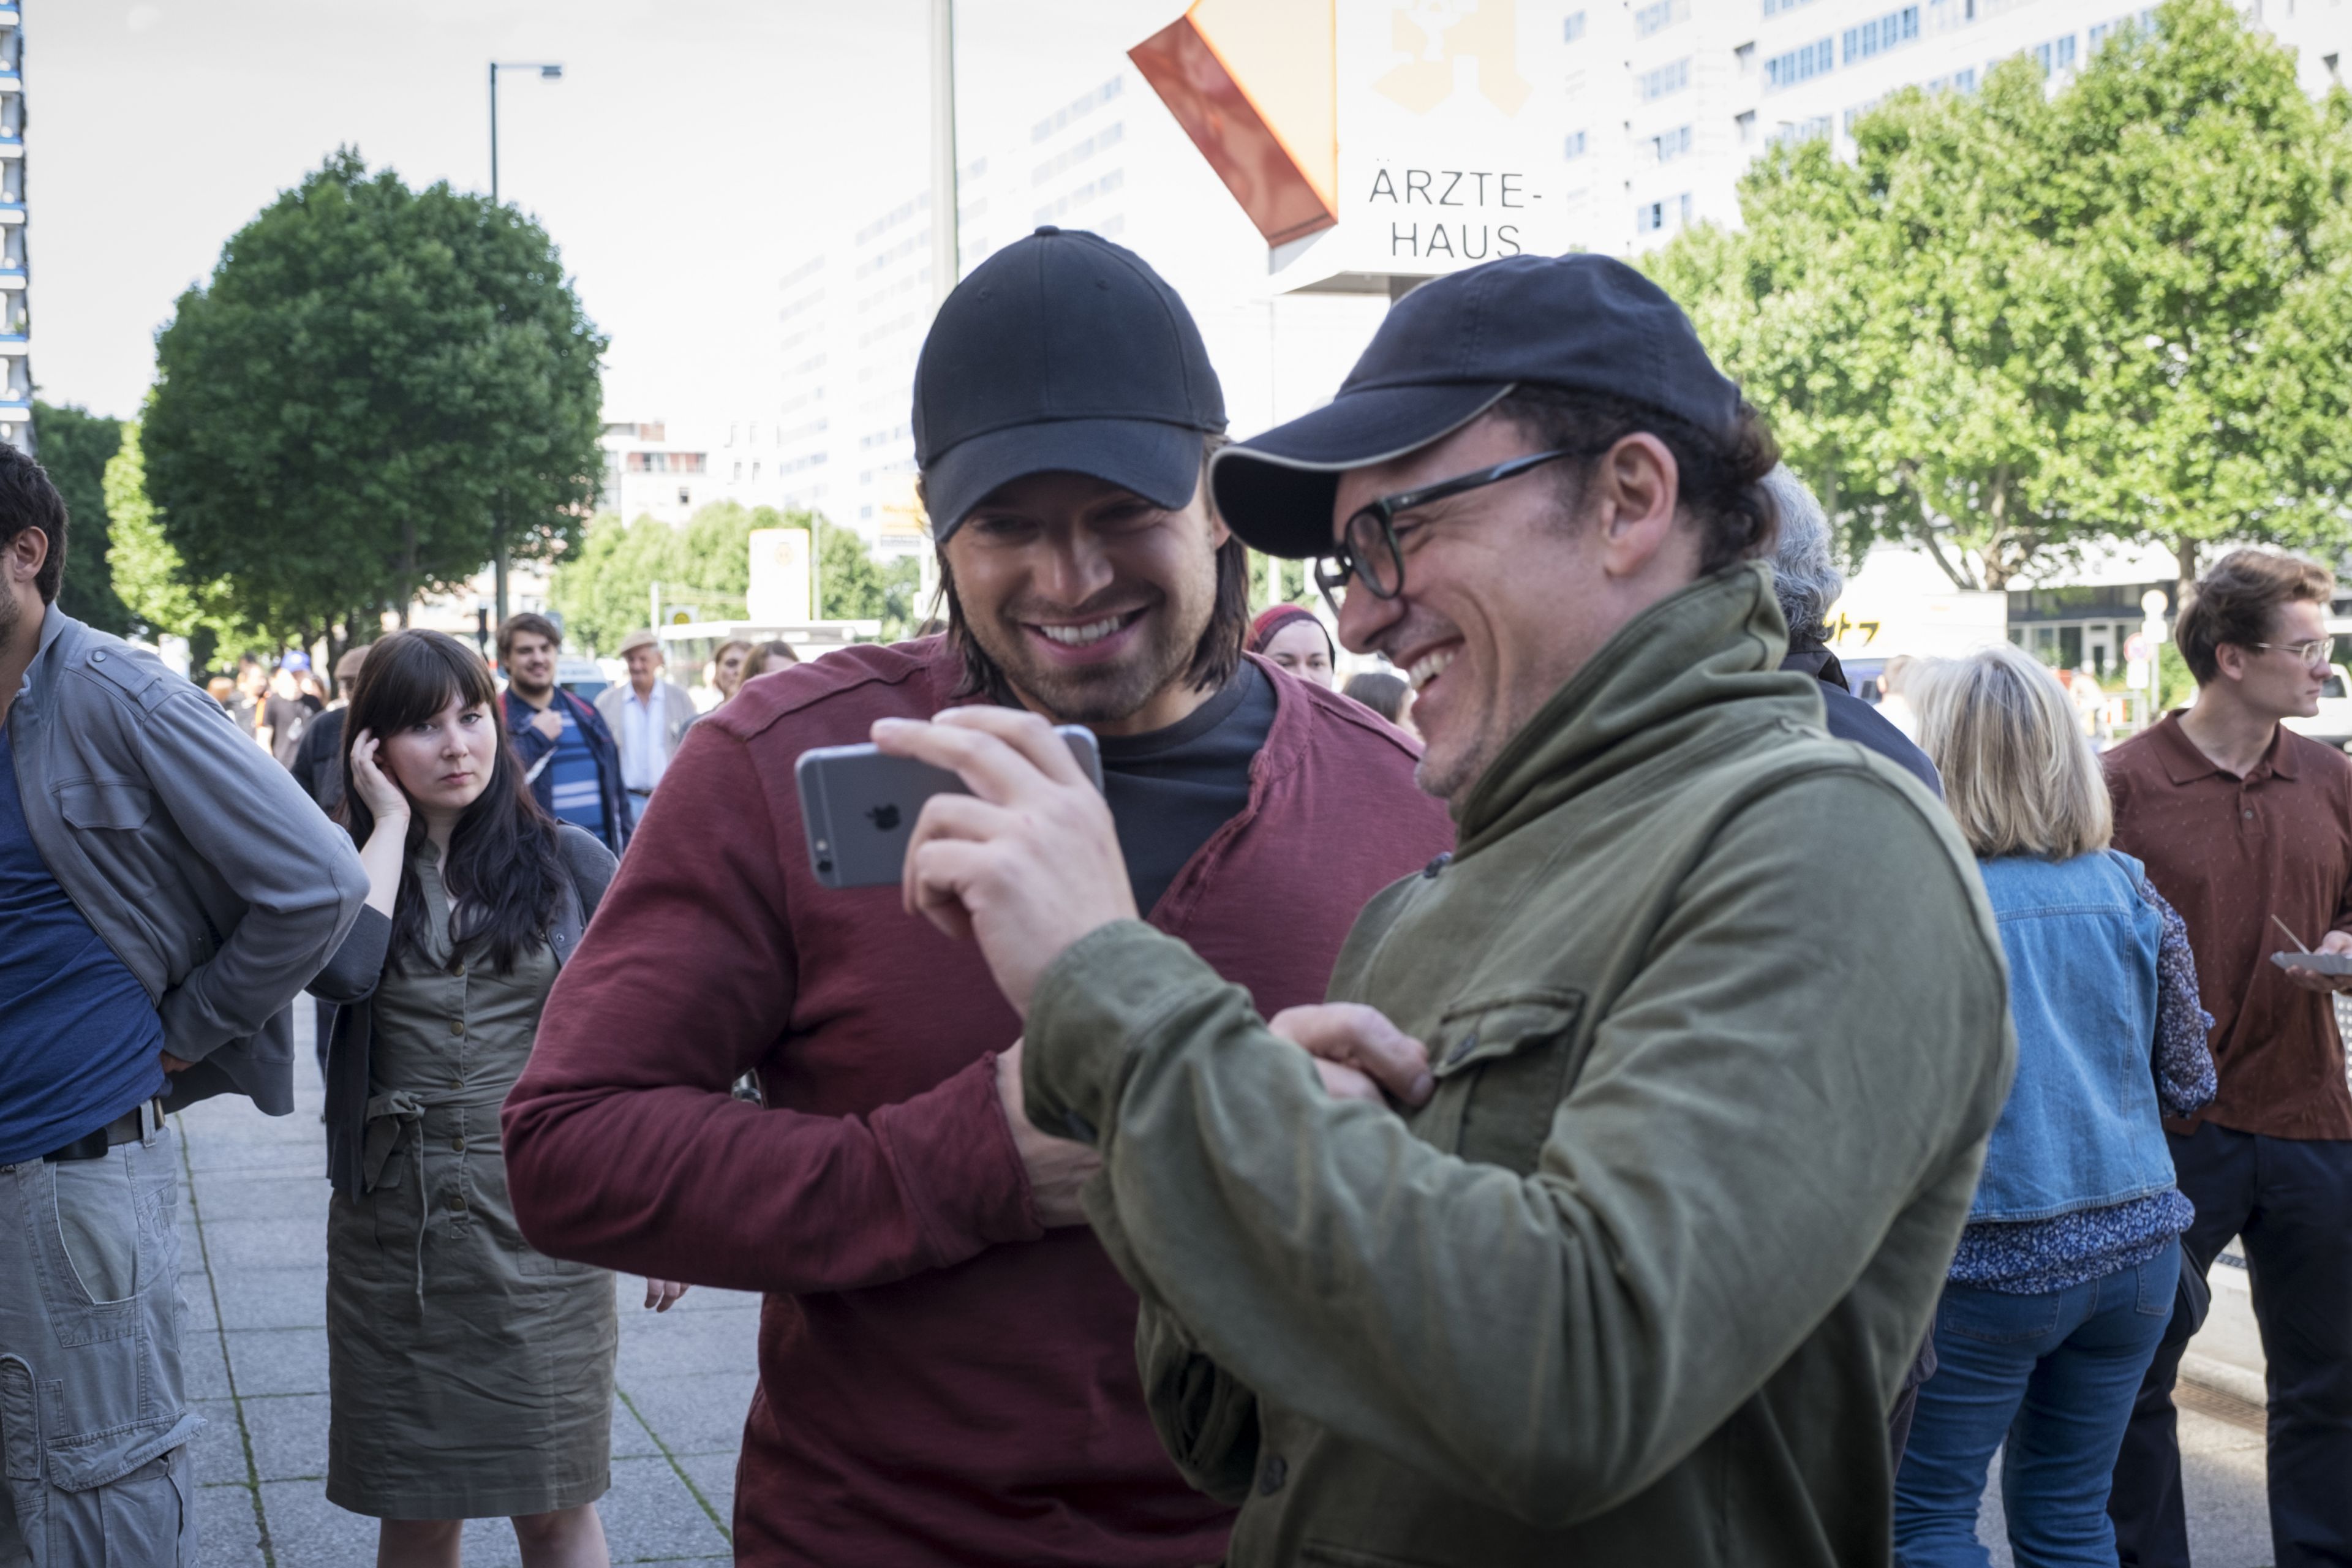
[94, 1425]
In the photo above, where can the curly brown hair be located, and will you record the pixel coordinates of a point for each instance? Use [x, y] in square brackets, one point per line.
[1721, 475]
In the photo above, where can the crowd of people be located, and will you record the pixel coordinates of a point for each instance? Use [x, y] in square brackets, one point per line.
[1598, 1093]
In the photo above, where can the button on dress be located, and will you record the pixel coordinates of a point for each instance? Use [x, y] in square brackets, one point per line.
[469, 1376]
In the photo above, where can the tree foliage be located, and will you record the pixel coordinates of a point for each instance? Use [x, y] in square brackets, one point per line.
[374, 383]
[75, 445]
[2022, 320]
[157, 593]
[603, 589]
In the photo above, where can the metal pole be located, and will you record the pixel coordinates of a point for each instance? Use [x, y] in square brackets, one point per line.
[947, 249]
[946, 252]
[497, 524]
[494, 133]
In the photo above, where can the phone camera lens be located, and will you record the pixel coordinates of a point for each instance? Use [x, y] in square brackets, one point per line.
[824, 868]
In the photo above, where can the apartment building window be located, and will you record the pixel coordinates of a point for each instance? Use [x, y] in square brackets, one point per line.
[1672, 144]
[1795, 132]
[1078, 108]
[1782, 8]
[2058, 54]
[1882, 33]
[1666, 79]
[1658, 15]
[1959, 82]
[1800, 65]
[1649, 217]
[1577, 141]
[1745, 122]
[1574, 28]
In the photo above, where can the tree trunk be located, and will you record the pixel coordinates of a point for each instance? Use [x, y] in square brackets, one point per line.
[1952, 569]
[2184, 558]
[407, 571]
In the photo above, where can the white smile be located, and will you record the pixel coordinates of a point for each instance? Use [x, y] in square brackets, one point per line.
[1430, 666]
[1079, 637]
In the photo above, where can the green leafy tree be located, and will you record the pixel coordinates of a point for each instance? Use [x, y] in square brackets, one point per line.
[851, 585]
[156, 592]
[2024, 320]
[375, 389]
[75, 445]
[604, 588]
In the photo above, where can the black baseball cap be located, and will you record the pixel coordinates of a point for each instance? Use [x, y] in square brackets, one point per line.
[1062, 352]
[1448, 352]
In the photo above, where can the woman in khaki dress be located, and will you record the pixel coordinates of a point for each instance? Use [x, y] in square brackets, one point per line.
[469, 1376]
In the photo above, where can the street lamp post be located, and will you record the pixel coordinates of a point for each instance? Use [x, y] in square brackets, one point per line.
[548, 72]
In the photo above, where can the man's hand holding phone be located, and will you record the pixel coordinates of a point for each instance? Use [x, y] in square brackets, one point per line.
[1027, 863]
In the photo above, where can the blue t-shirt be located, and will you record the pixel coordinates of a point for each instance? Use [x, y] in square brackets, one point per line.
[78, 1038]
[576, 794]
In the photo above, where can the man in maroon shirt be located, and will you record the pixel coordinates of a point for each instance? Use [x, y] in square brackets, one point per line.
[946, 1357]
[2247, 827]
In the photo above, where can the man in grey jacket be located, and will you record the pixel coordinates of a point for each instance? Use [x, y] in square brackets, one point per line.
[165, 889]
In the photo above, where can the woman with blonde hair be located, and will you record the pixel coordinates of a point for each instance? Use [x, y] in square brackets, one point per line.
[2070, 1265]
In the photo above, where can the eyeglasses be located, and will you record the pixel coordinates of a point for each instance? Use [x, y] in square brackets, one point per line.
[2312, 652]
[1369, 551]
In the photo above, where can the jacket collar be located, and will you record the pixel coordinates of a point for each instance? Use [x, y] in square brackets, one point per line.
[55, 623]
[2184, 764]
[1700, 661]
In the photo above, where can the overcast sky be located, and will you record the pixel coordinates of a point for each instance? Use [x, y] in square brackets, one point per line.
[688, 146]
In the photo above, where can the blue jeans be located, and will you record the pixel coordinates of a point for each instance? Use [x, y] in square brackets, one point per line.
[2053, 1376]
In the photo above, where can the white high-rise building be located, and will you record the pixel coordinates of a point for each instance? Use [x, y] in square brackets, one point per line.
[16, 312]
[1673, 99]
[1634, 119]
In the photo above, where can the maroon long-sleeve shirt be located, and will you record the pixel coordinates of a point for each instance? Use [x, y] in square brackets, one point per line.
[941, 1380]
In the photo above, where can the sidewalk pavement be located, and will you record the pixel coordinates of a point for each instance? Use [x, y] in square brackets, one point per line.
[253, 1227]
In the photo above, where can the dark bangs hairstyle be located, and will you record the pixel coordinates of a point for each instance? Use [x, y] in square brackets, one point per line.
[504, 869]
[1720, 476]
[1214, 659]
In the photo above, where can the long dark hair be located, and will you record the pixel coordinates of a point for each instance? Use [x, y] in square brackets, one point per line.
[503, 863]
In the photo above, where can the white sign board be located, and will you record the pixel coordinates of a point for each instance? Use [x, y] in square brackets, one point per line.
[1450, 115]
[779, 591]
[1869, 623]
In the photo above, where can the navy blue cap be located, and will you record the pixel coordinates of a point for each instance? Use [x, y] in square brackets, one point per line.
[1062, 352]
[1448, 352]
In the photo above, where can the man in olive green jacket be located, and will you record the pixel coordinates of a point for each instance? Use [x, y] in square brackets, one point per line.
[1714, 1010]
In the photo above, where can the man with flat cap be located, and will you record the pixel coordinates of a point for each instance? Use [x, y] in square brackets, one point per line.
[946, 1357]
[1636, 1283]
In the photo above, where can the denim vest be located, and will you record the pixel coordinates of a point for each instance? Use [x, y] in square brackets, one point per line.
[2081, 1130]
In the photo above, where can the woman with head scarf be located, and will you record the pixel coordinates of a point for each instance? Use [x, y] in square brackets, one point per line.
[1292, 636]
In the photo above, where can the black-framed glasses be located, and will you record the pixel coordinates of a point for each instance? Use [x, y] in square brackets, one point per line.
[1368, 549]
[2316, 651]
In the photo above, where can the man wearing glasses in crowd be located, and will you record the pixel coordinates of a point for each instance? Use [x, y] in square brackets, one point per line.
[1636, 1279]
[947, 1358]
[2246, 826]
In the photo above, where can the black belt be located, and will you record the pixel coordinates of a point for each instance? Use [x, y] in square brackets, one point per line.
[133, 1126]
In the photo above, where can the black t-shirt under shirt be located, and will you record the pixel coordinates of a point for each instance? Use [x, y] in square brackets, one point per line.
[1171, 790]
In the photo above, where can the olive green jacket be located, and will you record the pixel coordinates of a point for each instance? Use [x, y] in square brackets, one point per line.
[1719, 1017]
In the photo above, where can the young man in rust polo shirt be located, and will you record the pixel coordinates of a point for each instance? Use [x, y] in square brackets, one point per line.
[2245, 825]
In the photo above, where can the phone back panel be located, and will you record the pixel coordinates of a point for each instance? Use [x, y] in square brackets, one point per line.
[860, 807]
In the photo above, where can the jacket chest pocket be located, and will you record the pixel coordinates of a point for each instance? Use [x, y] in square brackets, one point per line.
[1502, 1064]
[111, 804]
